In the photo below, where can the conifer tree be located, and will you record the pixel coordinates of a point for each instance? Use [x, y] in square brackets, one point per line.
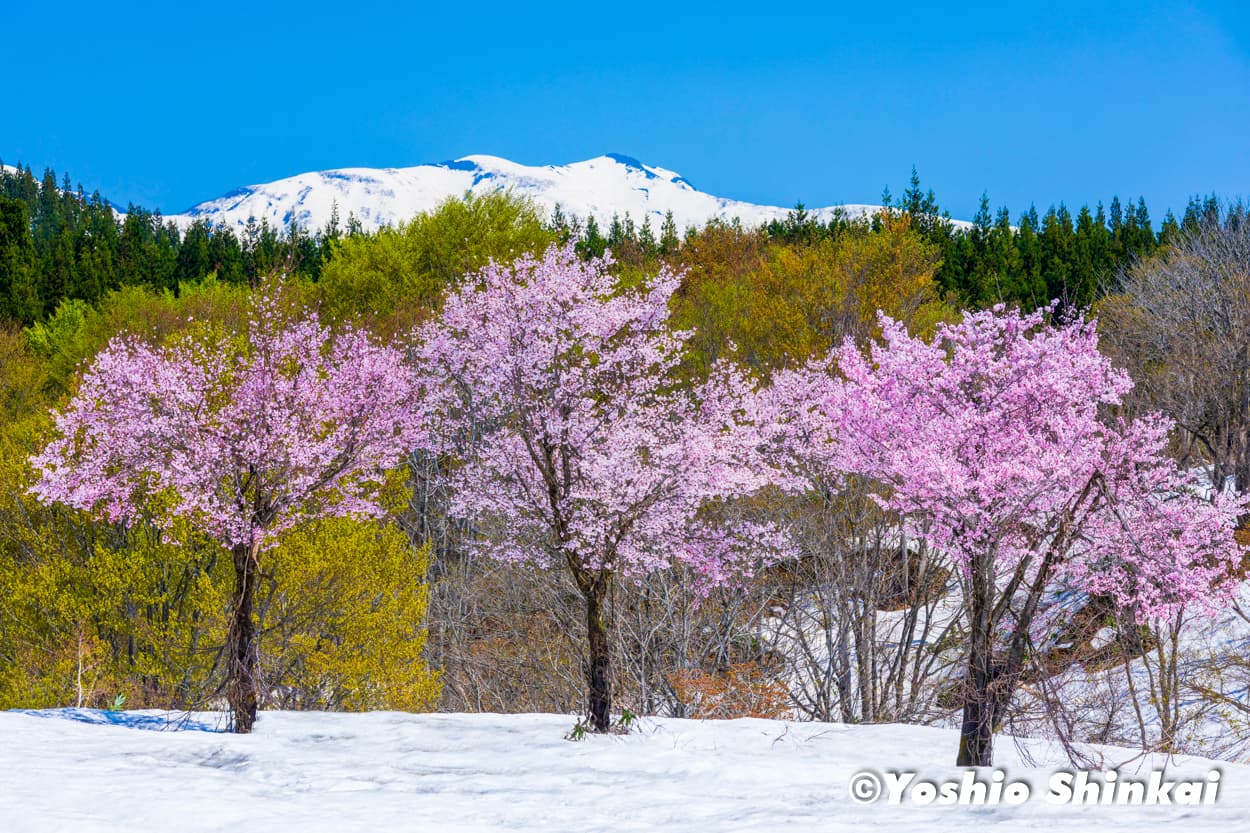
[19, 298]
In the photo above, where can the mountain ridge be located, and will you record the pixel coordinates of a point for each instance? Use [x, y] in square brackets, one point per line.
[614, 184]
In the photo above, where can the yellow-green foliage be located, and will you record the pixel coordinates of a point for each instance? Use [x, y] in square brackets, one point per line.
[392, 278]
[76, 331]
[344, 624]
[87, 611]
[782, 303]
[90, 611]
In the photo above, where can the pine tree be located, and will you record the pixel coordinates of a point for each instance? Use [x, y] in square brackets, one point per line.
[669, 241]
[194, 261]
[19, 298]
[592, 244]
[646, 239]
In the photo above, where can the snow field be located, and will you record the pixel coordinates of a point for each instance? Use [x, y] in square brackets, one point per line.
[68, 770]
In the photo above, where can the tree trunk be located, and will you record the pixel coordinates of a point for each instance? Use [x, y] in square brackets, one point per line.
[976, 735]
[242, 660]
[990, 682]
[599, 669]
[976, 738]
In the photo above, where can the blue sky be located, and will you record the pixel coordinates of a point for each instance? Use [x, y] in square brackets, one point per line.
[169, 104]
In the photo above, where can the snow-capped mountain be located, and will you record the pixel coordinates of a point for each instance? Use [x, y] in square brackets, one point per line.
[599, 187]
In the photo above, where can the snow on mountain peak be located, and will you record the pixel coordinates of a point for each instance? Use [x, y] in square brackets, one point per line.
[608, 185]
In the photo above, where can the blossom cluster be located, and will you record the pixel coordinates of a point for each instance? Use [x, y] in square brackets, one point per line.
[997, 440]
[246, 438]
[586, 447]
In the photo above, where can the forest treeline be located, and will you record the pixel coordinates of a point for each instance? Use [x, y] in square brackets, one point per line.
[59, 243]
[400, 613]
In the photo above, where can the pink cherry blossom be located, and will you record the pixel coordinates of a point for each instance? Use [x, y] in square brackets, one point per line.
[246, 440]
[1001, 426]
[586, 447]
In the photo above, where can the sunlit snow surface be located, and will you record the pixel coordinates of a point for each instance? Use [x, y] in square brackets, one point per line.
[77, 770]
[600, 187]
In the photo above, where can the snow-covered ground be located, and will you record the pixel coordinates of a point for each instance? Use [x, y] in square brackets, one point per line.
[70, 770]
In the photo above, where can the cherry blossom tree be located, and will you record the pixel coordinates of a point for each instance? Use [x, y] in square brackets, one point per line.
[994, 441]
[586, 453]
[244, 437]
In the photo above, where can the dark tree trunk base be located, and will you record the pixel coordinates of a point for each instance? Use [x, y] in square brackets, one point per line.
[242, 660]
[976, 737]
[599, 669]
